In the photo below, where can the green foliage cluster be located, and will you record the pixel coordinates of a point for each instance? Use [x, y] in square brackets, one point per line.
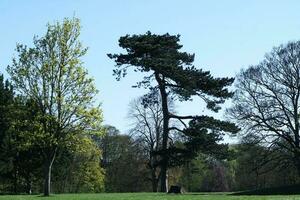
[21, 160]
[53, 114]
[124, 162]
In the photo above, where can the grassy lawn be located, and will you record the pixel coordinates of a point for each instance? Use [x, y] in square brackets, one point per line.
[146, 196]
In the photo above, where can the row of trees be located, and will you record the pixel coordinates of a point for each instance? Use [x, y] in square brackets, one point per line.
[127, 167]
[49, 117]
[55, 88]
[265, 105]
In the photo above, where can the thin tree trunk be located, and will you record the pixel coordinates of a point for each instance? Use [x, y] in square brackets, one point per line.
[153, 168]
[163, 179]
[47, 180]
[15, 182]
[47, 174]
[189, 177]
[28, 186]
[154, 180]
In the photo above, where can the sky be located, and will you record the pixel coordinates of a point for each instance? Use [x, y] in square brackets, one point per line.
[225, 36]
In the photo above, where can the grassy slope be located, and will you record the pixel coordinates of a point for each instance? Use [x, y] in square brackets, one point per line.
[147, 196]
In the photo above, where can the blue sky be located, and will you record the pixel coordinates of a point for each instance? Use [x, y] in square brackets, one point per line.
[225, 36]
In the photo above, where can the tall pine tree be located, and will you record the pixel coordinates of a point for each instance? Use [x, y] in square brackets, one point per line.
[174, 75]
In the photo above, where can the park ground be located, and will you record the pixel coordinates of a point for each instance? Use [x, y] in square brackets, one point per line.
[148, 196]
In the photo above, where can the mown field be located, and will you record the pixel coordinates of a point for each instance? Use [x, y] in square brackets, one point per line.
[146, 196]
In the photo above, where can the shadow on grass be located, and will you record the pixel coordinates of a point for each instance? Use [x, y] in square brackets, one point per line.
[209, 193]
[285, 190]
[52, 195]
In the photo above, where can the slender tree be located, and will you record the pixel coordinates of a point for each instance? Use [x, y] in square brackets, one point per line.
[147, 121]
[159, 57]
[51, 74]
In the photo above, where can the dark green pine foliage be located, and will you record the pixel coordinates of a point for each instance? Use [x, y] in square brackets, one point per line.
[18, 158]
[160, 58]
[6, 101]
[204, 134]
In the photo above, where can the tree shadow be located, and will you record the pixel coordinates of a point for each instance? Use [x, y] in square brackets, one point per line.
[284, 190]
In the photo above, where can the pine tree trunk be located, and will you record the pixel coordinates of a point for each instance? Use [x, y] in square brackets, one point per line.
[164, 165]
[164, 179]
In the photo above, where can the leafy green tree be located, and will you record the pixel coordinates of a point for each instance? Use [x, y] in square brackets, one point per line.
[192, 174]
[124, 162]
[258, 167]
[17, 155]
[6, 147]
[6, 100]
[51, 74]
[78, 167]
[172, 73]
[6, 103]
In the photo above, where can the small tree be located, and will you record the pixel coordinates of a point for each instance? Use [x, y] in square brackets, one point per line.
[51, 74]
[174, 76]
[124, 162]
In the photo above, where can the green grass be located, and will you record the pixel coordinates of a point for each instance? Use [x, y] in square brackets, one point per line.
[147, 196]
[283, 190]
